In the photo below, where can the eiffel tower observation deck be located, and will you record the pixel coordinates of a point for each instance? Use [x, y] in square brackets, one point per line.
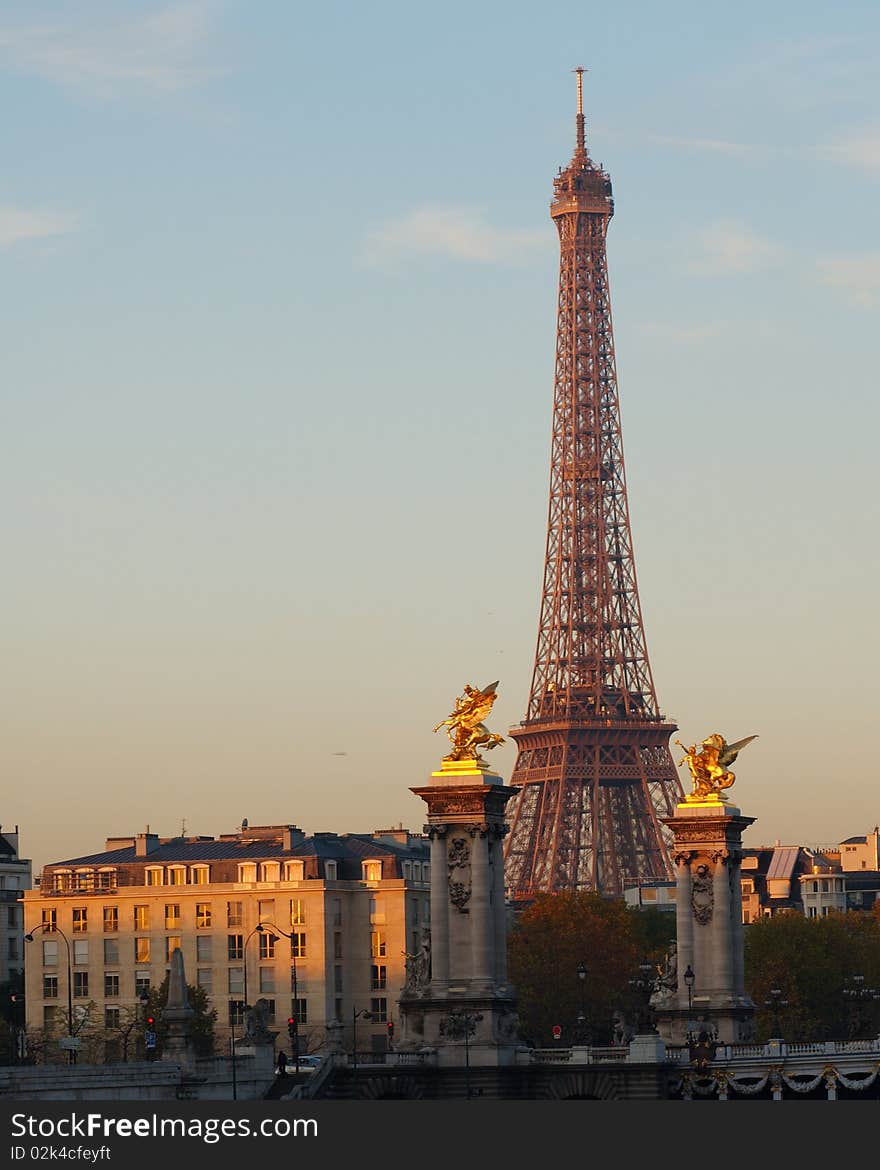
[594, 770]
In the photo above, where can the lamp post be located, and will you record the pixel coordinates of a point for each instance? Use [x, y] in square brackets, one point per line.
[642, 984]
[46, 926]
[271, 928]
[582, 1013]
[238, 1007]
[855, 993]
[462, 1025]
[355, 1015]
[776, 1004]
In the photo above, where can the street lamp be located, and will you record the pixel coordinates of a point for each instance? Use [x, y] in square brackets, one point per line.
[48, 926]
[271, 928]
[355, 1015]
[775, 1003]
[460, 1025]
[643, 984]
[582, 1014]
[689, 979]
[855, 993]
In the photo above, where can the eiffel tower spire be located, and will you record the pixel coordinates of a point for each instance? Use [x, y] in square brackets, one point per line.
[593, 767]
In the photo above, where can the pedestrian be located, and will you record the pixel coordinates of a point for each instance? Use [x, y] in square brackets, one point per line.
[282, 1063]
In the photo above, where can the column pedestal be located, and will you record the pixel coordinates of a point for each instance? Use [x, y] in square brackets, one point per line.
[465, 1011]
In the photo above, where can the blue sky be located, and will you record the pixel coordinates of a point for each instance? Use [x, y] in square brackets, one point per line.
[278, 309]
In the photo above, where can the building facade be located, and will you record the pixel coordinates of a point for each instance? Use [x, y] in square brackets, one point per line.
[15, 878]
[346, 909]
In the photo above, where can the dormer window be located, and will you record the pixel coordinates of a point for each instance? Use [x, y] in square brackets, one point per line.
[270, 871]
[330, 868]
[293, 871]
[372, 871]
[154, 875]
[247, 871]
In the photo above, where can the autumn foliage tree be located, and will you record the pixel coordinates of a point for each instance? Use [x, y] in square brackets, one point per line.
[558, 932]
[811, 961]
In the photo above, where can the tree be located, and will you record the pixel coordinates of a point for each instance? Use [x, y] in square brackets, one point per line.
[201, 1024]
[551, 938]
[811, 961]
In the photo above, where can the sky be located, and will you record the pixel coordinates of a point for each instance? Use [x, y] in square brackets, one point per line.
[277, 316]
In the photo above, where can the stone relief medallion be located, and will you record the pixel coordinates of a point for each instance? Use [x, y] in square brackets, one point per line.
[459, 859]
[702, 895]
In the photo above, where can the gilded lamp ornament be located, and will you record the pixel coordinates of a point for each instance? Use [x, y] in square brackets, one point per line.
[709, 767]
[465, 726]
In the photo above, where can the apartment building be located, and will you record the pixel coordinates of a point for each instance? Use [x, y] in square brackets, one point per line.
[339, 911]
[15, 878]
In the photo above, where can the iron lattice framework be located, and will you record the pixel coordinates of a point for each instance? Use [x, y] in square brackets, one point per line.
[594, 768]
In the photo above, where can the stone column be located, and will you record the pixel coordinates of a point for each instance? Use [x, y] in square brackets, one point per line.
[439, 910]
[498, 906]
[482, 923]
[722, 928]
[736, 910]
[684, 923]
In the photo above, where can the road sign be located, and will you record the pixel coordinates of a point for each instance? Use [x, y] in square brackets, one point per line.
[71, 1042]
[150, 1039]
[557, 1032]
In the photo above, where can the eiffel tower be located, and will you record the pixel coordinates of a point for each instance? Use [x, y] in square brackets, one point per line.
[593, 769]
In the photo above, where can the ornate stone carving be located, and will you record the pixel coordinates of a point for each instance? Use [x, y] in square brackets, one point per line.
[459, 859]
[702, 895]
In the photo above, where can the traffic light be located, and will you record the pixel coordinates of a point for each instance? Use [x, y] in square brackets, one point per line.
[291, 1027]
[150, 1021]
[390, 1027]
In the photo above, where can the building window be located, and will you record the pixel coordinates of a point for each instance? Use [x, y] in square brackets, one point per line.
[111, 952]
[142, 917]
[297, 912]
[337, 944]
[337, 912]
[372, 871]
[80, 919]
[235, 980]
[106, 879]
[377, 944]
[811, 912]
[329, 871]
[142, 950]
[379, 1010]
[293, 871]
[407, 871]
[80, 952]
[176, 875]
[141, 983]
[236, 1011]
[247, 871]
[62, 882]
[377, 910]
[111, 918]
[204, 948]
[417, 871]
[337, 1008]
[111, 1018]
[172, 944]
[203, 915]
[234, 946]
[154, 876]
[270, 871]
[824, 887]
[172, 916]
[266, 911]
[299, 1010]
[50, 987]
[50, 1017]
[205, 979]
[270, 1010]
[267, 945]
[199, 875]
[298, 945]
[50, 920]
[747, 918]
[267, 979]
[84, 879]
[378, 977]
[111, 986]
[337, 979]
[233, 914]
[81, 984]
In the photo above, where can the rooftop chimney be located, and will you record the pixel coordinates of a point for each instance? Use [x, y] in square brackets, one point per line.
[146, 843]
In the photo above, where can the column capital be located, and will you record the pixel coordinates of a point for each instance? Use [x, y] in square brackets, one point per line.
[683, 856]
[432, 831]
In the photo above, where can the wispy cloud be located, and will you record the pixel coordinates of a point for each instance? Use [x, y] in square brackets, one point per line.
[710, 145]
[454, 232]
[96, 51]
[861, 149]
[858, 276]
[17, 224]
[731, 249]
